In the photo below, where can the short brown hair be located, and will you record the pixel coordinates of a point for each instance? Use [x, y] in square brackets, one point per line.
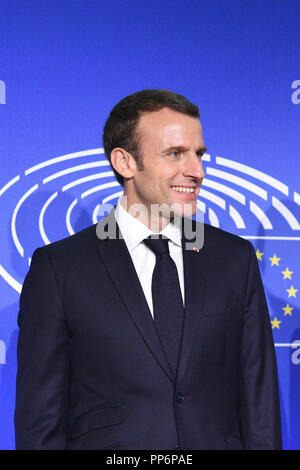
[120, 127]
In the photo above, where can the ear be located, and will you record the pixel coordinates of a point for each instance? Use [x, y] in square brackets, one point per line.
[123, 162]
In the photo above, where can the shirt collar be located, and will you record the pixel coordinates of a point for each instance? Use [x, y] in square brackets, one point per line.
[134, 231]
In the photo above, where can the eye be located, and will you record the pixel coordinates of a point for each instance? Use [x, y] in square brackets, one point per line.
[200, 154]
[174, 153]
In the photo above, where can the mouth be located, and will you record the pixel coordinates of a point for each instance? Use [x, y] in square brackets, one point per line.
[186, 192]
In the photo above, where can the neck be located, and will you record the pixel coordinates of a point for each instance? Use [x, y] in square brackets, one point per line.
[147, 214]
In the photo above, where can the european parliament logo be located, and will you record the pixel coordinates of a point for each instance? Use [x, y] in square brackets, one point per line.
[2, 92]
[60, 196]
[2, 352]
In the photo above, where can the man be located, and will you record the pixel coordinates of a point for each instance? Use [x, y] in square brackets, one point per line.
[129, 340]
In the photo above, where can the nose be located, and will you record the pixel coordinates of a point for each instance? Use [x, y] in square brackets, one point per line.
[193, 167]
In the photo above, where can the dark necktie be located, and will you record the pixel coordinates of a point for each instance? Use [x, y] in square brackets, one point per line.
[168, 306]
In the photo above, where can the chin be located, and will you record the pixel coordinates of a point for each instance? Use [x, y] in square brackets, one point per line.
[184, 210]
[189, 211]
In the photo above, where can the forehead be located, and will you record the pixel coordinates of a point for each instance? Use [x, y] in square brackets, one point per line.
[170, 128]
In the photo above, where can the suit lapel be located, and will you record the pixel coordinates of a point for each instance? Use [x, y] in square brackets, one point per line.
[117, 260]
[195, 263]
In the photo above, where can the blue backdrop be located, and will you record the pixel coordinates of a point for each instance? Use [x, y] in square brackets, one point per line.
[65, 63]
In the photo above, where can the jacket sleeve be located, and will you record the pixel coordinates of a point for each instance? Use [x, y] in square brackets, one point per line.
[259, 410]
[43, 363]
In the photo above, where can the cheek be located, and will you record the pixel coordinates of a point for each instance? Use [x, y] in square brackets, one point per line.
[147, 186]
[157, 180]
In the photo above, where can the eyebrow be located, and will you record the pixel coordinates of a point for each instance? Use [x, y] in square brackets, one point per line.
[202, 149]
[179, 148]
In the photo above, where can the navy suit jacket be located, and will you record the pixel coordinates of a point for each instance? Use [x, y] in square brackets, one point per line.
[91, 370]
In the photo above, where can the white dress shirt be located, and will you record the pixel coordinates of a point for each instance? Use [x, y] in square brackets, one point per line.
[134, 232]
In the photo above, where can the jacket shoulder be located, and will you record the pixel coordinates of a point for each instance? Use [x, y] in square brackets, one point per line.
[217, 234]
[217, 240]
[77, 243]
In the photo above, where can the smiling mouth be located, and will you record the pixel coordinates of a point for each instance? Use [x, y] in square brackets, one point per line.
[186, 190]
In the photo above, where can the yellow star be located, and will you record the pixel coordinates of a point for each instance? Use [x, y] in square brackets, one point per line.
[275, 323]
[287, 274]
[259, 254]
[274, 260]
[288, 310]
[292, 291]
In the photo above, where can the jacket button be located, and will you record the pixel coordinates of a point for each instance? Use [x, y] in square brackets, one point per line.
[179, 397]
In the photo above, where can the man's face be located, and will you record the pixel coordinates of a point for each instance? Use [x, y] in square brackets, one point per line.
[171, 145]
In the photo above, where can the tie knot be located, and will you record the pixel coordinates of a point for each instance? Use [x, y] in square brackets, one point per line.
[159, 245]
